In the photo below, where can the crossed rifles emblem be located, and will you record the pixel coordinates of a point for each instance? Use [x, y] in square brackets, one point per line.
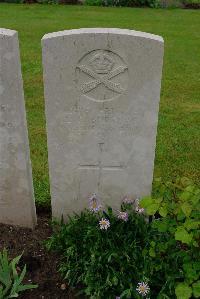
[102, 72]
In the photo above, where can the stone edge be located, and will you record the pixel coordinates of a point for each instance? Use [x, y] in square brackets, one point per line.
[103, 31]
[7, 32]
[33, 222]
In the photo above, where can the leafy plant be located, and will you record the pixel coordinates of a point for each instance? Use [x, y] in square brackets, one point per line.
[107, 262]
[191, 3]
[93, 2]
[48, 1]
[110, 252]
[174, 250]
[10, 280]
[126, 3]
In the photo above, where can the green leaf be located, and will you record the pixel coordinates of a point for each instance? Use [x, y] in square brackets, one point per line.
[14, 263]
[185, 196]
[191, 224]
[196, 265]
[196, 197]
[144, 252]
[186, 182]
[183, 291]
[186, 208]
[126, 293]
[152, 209]
[146, 202]
[115, 281]
[150, 204]
[195, 244]
[163, 211]
[196, 289]
[14, 296]
[27, 287]
[182, 235]
[152, 252]
[10, 281]
[190, 272]
[180, 215]
[161, 225]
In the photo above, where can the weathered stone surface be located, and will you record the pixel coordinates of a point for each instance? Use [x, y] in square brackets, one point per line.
[16, 190]
[102, 89]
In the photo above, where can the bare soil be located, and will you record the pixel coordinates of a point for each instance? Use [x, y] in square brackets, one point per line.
[41, 265]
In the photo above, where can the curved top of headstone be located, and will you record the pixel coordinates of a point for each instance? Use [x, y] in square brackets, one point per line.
[102, 91]
[103, 31]
[7, 32]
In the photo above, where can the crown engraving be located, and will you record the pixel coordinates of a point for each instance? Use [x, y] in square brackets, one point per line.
[101, 63]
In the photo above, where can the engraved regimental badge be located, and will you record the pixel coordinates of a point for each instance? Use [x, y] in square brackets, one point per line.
[102, 75]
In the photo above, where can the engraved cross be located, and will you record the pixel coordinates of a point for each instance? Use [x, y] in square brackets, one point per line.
[100, 166]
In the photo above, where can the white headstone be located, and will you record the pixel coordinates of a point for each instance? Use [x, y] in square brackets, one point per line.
[16, 190]
[102, 90]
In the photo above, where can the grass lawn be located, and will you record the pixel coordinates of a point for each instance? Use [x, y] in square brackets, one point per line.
[178, 141]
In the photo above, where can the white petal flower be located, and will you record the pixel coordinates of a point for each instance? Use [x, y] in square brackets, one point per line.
[104, 223]
[143, 288]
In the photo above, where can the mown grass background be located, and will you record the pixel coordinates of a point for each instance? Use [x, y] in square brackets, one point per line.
[178, 140]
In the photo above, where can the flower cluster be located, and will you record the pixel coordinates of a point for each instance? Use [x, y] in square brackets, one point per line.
[136, 202]
[95, 206]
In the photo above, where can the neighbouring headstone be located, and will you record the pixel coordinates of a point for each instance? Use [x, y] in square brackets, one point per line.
[16, 190]
[102, 90]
